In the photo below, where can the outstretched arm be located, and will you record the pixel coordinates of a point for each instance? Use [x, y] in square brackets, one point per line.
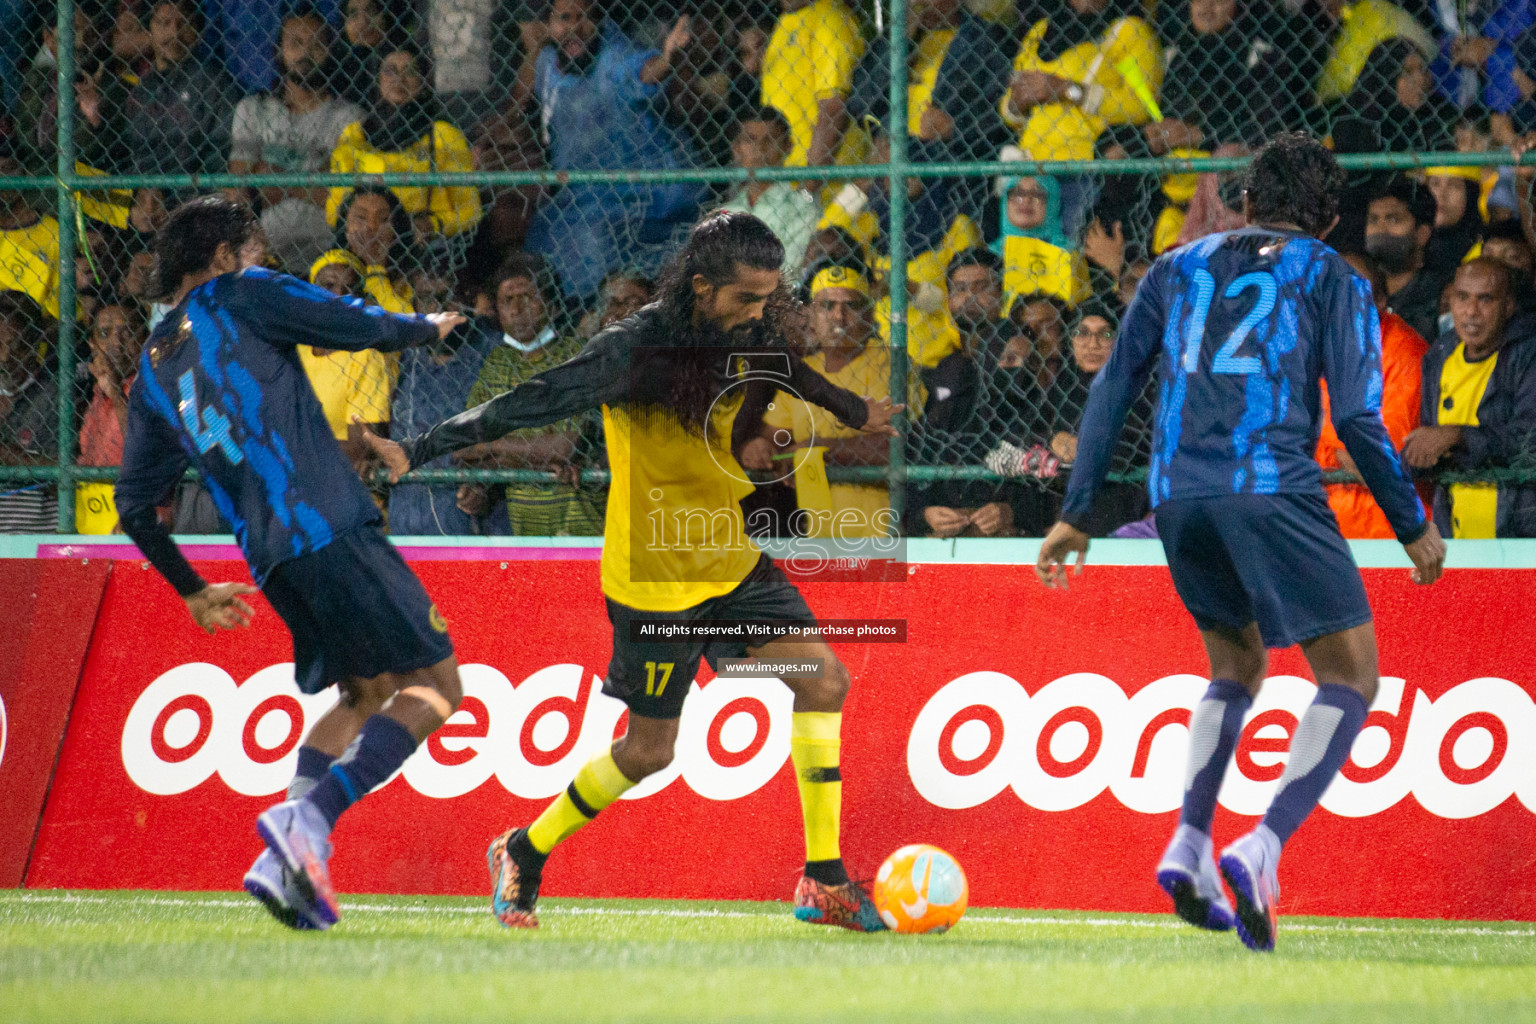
[295, 313]
[599, 375]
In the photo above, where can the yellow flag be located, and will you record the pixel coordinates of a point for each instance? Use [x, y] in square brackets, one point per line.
[812, 492]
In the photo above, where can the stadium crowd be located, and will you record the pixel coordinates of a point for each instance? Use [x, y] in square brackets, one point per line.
[1016, 285]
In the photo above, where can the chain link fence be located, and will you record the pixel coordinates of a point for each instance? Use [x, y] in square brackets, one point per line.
[536, 164]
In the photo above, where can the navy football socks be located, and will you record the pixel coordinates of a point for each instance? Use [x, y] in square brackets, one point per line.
[313, 765]
[1321, 746]
[381, 747]
[1213, 732]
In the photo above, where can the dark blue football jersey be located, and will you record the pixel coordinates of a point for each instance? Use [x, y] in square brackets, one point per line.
[1241, 326]
[220, 387]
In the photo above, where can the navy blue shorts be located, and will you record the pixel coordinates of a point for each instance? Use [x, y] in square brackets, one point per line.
[355, 610]
[1275, 559]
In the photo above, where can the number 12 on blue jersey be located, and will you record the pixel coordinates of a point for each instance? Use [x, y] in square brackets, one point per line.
[1226, 360]
[208, 428]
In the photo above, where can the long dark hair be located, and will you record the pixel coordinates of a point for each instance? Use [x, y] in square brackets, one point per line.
[398, 257]
[190, 238]
[716, 248]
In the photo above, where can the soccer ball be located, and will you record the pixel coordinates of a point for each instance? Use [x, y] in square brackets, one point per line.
[920, 888]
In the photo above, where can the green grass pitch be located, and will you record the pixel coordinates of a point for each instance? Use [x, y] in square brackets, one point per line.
[166, 957]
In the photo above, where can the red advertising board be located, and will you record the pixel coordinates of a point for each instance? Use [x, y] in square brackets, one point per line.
[1037, 735]
[48, 609]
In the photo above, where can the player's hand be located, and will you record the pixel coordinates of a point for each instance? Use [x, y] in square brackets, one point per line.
[445, 322]
[220, 606]
[880, 413]
[386, 451]
[1428, 555]
[1051, 566]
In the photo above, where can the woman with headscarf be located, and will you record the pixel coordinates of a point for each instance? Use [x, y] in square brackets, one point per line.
[1092, 339]
[1396, 94]
[406, 132]
[1084, 67]
[1038, 257]
[1459, 221]
[1226, 79]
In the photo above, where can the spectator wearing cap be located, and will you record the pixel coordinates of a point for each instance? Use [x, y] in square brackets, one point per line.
[762, 139]
[1402, 355]
[1399, 222]
[808, 74]
[179, 114]
[347, 384]
[525, 339]
[1479, 407]
[405, 131]
[847, 355]
[116, 339]
[957, 69]
[600, 103]
[294, 127]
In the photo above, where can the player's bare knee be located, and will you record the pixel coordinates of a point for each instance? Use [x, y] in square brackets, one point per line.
[832, 688]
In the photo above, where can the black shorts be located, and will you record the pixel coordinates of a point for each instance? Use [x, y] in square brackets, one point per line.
[355, 609]
[1275, 559]
[653, 678]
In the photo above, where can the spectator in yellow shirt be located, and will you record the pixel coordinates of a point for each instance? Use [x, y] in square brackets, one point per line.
[347, 383]
[374, 229]
[1074, 75]
[808, 73]
[849, 356]
[406, 132]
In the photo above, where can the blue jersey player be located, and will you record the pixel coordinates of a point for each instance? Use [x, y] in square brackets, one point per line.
[1241, 326]
[220, 388]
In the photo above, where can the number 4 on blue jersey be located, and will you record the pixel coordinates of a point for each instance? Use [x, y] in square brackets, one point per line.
[208, 428]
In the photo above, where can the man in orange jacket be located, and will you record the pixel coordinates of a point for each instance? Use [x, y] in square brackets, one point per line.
[1402, 358]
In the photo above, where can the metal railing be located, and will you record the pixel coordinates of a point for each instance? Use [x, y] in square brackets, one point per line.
[67, 184]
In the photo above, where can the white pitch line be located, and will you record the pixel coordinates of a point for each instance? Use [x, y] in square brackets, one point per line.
[678, 912]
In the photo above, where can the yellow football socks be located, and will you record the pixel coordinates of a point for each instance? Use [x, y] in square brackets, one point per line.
[815, 742]
[598, 784]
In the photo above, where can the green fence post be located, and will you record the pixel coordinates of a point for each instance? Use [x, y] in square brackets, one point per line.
[66, 213]
[896, 182]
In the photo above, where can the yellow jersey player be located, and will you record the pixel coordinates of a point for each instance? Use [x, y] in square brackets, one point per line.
[680, 394]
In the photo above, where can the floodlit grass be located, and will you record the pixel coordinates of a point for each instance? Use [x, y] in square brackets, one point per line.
[168, 957]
